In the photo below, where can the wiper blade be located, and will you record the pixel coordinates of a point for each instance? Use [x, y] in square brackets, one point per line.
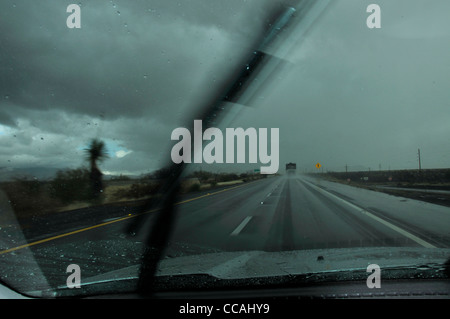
[257, 59]
[160, 232]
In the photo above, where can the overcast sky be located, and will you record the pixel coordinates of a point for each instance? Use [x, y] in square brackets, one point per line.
[136, 70]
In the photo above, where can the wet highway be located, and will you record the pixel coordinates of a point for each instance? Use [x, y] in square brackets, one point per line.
[273, 214]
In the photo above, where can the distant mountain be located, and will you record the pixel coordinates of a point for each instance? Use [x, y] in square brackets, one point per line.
[40, 173]
[45, 173]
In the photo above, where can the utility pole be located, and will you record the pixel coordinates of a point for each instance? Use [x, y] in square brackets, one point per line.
[346, 168]
[418, 153]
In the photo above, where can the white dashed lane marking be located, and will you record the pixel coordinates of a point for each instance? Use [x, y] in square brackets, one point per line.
[241, 226]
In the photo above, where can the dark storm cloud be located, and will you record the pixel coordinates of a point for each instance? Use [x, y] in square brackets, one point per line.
[127, 60]
[6, 118]
[136, 70]
[366, 98]
[130, 74]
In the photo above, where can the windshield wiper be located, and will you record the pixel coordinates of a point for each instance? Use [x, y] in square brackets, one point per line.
[161, 229]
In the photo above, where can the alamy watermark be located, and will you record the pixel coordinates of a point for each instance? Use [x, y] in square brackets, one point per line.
[73, 21]
[74, 279]
[213, 152]
[374, 279]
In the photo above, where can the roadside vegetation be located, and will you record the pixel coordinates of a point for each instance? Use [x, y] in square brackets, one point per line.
[73, 188]
[86, 186]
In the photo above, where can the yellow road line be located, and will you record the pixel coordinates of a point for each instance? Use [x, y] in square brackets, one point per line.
[63, 235]
[109, 222]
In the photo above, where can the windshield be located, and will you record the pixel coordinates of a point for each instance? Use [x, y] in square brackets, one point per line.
[238, 139]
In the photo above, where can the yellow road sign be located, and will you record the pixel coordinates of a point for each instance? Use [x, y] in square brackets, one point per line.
[318, 165]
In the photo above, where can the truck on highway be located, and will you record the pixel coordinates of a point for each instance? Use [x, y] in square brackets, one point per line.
[291, 168]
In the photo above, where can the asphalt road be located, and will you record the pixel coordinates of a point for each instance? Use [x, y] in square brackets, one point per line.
[298, 212]
[272, 214]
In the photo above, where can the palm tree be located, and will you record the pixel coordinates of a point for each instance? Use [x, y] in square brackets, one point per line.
[96, 152]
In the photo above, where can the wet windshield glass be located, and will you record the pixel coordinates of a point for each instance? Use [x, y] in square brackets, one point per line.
[270, 126]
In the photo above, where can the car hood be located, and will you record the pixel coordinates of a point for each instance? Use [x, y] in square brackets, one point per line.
[197, 271]
[248, 264]
[241, 269]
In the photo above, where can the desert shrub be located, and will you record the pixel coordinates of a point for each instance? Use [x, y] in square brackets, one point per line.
[213, 183]
[29, 197]
[194, 187]
[71, 185]
[137, 190]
